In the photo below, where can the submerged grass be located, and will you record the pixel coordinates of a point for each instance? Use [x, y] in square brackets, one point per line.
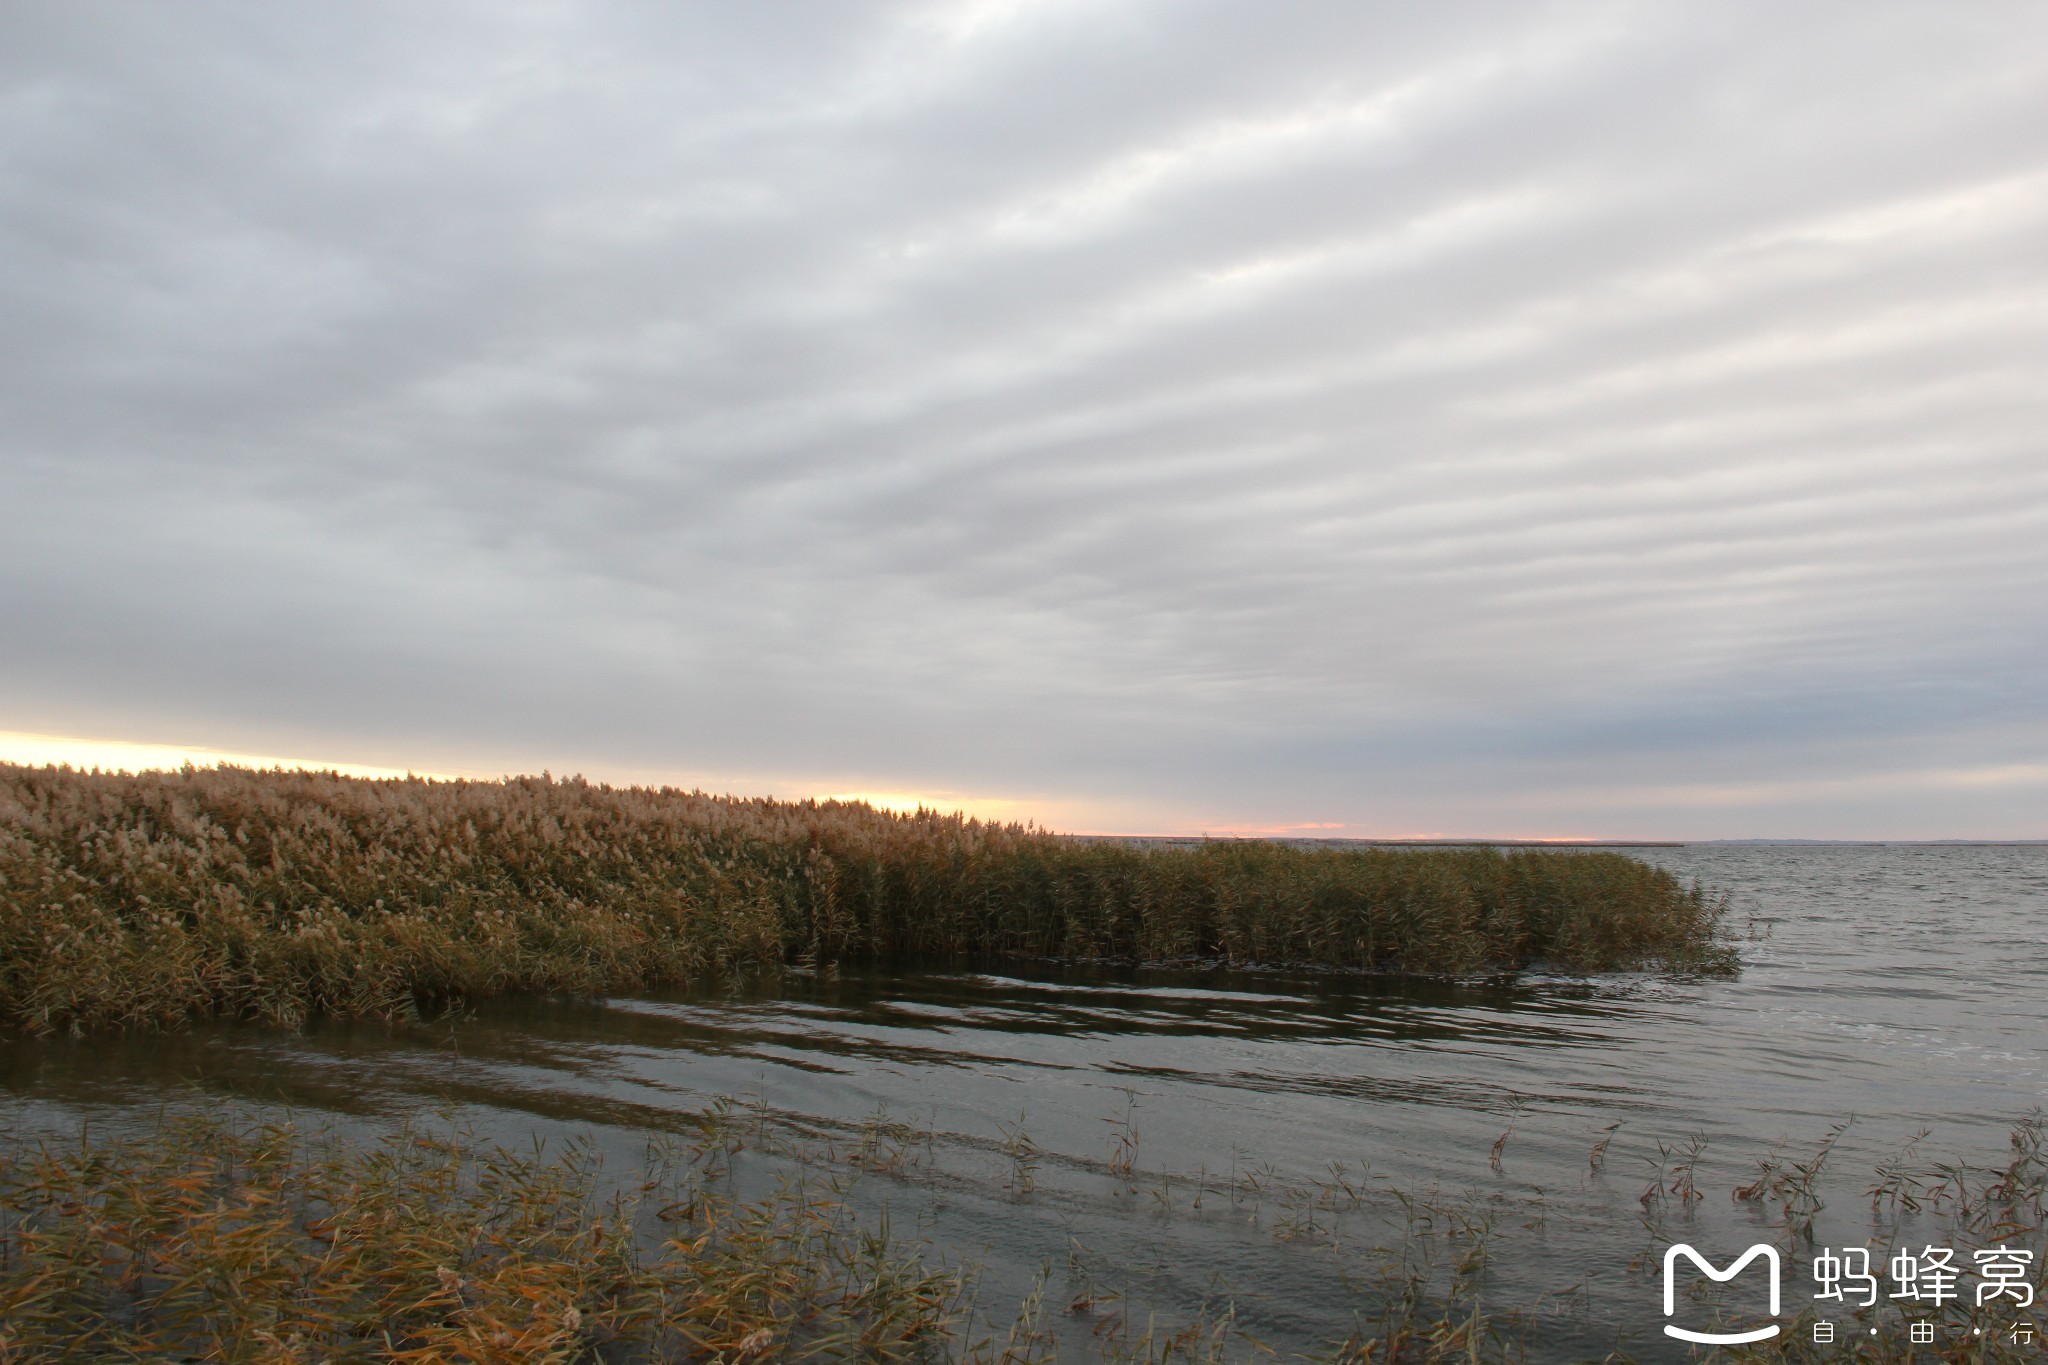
[205, 1241]
[148, 900]
[208, 1239]
[1914, 1208]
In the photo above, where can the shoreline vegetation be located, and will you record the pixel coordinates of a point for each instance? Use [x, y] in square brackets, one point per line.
[146, 901]
[200, 1236]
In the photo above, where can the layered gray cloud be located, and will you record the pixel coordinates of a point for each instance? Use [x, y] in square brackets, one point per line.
[1570, 418]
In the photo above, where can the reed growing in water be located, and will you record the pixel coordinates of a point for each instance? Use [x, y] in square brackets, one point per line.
[203, 1238]
[207, 1241]
[147, 900]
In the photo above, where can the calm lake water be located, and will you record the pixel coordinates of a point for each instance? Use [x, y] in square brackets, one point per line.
[1904, 987]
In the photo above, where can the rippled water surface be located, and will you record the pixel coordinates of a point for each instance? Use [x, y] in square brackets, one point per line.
[1906, 987]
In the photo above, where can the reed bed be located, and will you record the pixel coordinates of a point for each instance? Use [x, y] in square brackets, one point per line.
[144, 901]
[205, 1241]
[202, 1238]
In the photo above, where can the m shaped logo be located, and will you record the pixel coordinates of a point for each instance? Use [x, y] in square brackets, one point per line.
[1770, 1255]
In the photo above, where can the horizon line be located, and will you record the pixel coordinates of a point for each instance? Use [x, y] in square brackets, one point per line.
[202, 758]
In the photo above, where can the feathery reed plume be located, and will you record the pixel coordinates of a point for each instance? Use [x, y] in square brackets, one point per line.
[148, 900]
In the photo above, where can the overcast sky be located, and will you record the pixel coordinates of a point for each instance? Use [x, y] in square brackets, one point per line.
[1519, 419]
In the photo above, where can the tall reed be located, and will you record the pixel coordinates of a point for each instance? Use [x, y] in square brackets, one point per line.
[147, 900]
